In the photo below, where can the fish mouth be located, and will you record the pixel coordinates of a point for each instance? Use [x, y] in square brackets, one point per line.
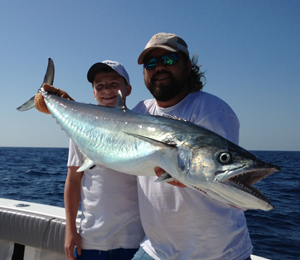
[244, 180]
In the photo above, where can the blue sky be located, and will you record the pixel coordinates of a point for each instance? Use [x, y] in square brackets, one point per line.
[250, 51]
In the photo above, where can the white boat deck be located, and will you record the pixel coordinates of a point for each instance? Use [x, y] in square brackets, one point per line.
[31, 231]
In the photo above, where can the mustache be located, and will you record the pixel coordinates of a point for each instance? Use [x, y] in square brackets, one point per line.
[159, 73]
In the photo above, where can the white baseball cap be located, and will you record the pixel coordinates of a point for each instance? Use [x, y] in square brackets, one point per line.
[107, 64]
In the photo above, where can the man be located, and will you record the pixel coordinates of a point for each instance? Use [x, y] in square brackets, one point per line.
[110, 227]
[181, 223]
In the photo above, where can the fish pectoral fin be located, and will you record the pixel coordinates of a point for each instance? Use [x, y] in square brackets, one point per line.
[165, 177]
[87, 164]
[153, 141]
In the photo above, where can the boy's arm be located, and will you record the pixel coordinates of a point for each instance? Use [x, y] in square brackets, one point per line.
[72, 201]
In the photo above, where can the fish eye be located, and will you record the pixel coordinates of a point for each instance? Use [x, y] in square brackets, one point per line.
[224, 157]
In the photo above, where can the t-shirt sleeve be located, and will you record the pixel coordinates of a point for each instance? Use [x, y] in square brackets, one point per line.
[225, 124]
[217, 116]
[75, 157]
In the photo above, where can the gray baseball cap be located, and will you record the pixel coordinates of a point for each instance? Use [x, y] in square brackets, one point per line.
[167, 41]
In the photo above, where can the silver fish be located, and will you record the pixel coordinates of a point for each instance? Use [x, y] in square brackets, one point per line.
[134, 143]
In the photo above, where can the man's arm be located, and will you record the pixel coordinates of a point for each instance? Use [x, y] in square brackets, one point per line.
[72, 201]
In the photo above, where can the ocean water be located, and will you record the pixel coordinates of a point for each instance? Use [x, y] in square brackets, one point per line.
[38, 175]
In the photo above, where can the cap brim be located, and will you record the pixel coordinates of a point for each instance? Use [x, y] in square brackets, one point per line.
[96, 68]
[146, 51]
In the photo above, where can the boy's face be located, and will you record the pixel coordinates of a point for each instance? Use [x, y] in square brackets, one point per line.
[106, 86]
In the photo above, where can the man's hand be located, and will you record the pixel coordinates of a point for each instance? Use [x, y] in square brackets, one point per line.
[39, 102]
[160, 171]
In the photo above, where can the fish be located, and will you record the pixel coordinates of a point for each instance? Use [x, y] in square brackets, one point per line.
[135, 143]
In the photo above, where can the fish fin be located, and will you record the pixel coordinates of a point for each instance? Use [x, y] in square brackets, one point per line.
[87, 164]
[27, 105]
[48, 78]
[165, 177]
[121, 101]
[153, 141]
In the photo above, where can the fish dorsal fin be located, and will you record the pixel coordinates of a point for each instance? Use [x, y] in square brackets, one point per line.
[121, 101]
[87, 164]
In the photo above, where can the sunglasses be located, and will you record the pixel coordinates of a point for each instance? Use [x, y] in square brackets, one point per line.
[167, 59]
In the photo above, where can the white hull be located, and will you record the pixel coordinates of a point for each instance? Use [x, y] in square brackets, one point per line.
[35, 231]
[32, 231]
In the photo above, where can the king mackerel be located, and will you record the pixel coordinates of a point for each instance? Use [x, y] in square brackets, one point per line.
[126, 141]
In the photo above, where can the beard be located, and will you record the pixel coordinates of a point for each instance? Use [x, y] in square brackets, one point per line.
[167, 90]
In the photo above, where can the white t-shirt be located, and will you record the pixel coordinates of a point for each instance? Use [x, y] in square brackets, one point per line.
[109, 204]
[181, 223]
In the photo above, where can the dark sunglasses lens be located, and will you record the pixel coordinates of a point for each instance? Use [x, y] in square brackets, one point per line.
[151, 64]
[170, 59]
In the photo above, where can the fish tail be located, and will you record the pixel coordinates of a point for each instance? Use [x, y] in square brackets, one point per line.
[38, 100]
